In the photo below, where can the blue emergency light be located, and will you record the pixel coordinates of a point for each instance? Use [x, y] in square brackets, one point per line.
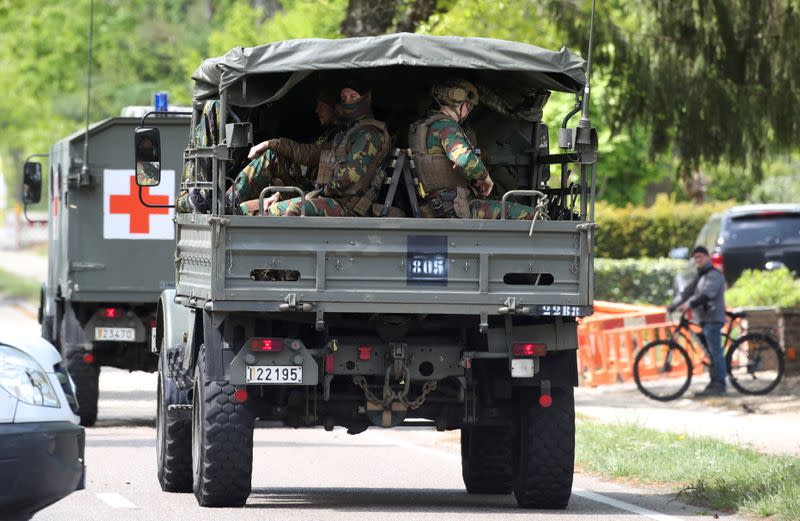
[161, 102]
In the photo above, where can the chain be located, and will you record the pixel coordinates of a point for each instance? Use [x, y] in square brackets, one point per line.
[428, 388]
[361, 382]
[540, 213]
[390, 395]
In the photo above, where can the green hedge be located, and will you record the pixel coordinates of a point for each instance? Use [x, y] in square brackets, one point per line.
[636, 281]
[765, 288]
[636, 232]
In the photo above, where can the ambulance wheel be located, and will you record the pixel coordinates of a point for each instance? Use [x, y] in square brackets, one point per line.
[87, 378]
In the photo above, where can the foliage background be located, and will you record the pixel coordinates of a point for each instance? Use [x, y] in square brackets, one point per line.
[645, 119]
[638, 281]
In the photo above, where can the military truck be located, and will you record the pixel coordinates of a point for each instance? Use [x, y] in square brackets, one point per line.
[361, 322]
[109, 255]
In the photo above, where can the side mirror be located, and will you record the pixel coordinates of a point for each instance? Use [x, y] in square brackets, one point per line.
[147, 143]
[679, 253]
[31, 182]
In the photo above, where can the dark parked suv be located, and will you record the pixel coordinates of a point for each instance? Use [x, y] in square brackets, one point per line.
[759, 236]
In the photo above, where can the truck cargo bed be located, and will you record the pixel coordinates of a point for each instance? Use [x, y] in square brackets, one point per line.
[348, 264]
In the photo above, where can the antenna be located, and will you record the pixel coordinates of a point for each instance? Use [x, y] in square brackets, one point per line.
[85, 167]
[585, 122]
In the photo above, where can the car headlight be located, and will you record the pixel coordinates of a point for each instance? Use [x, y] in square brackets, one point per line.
[25, 379]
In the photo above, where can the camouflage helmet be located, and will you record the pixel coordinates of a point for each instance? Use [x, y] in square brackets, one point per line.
[454, 93]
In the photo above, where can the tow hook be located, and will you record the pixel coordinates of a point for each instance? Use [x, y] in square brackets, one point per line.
[292, 304]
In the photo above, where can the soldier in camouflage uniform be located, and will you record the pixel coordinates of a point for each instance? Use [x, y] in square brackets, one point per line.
[347, 169]
[282, 162]
[448, 167]
[147, 173]
[206, 134]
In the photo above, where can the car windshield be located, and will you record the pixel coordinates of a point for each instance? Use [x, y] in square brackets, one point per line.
[763, 230]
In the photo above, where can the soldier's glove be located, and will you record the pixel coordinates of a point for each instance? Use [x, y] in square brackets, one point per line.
[313, 194]
[197, 201]
[671, 308]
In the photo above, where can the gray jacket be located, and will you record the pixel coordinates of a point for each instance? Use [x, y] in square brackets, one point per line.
[705, 295]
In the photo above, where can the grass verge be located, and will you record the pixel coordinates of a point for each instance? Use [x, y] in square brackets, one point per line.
[14, 286]
[704, 471]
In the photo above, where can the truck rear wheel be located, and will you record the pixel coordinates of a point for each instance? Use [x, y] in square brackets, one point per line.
[173, 433]
[486, 460]
[87, 379]
[222, 442]
[544, 449]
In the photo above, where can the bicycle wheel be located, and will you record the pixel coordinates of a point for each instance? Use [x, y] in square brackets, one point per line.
[662, 370]
[755, 363]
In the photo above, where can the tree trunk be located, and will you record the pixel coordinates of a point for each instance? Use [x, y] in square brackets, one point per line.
[368, 17]
[419, 11]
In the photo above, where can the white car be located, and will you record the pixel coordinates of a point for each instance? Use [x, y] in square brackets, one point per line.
[41, 443]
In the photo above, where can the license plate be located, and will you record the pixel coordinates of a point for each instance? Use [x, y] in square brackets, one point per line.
[274, 374]
[119, 334]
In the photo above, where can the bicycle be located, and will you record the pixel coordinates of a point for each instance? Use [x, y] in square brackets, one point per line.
[663, 368]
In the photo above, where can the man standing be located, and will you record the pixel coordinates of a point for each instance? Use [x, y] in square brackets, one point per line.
[447, 165]
[706, 296]
[347, 169]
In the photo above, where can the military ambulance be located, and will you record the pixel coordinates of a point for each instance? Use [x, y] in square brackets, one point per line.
[110, 249]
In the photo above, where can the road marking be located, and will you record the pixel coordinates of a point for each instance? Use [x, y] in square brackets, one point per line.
[622, 505]
[25, 310]
[591, 496]
[115, 500]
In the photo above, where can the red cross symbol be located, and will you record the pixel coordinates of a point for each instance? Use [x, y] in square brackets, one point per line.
[139, 213]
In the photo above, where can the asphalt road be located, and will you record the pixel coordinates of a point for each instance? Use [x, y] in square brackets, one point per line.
[412, 474]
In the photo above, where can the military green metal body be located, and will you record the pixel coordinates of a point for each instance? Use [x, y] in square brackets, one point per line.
[87, 271]
[360, 265]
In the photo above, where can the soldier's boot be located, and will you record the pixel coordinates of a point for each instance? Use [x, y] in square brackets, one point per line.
[232, 203]
[197, 201]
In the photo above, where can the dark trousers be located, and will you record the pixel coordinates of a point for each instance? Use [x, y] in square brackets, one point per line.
[713, 334]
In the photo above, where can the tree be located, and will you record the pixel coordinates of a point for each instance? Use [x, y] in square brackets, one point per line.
[713, 80]
[374, 17]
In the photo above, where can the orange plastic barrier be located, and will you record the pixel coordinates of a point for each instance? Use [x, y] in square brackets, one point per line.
[609, 340]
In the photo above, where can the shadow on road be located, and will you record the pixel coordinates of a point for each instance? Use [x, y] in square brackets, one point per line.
[420, 500]
[124, 422]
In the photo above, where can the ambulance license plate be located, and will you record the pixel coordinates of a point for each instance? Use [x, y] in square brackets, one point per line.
[274, 374]
[117, 334]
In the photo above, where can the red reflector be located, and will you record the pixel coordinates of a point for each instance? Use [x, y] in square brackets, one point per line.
[717, 260]
[364, 353]
[110, 312]
[528, 349]
[240, 395]
[266, 344]
[153, 324]
[545, 400]
[88, 358]
[329, 363]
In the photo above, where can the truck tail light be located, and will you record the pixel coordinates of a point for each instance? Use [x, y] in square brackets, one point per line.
[528, 349]
[111, 312]
[717, 260]
[268, 345]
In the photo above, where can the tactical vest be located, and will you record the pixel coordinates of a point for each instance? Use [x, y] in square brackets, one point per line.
[331, 155]
[435, 171]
